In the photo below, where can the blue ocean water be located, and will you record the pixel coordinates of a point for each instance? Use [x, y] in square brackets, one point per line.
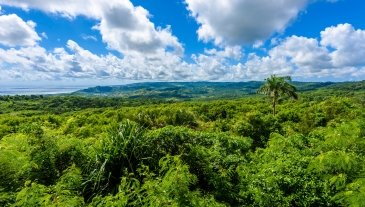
[38, 90]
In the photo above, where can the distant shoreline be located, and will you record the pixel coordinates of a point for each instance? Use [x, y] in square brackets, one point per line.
[13, 91]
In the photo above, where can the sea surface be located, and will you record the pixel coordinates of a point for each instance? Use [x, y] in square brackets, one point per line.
[38, 90]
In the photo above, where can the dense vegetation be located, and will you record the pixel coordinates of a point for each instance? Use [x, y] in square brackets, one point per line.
[193, 90]
[92, 151]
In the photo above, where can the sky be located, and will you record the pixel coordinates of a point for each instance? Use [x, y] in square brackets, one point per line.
[93, 42]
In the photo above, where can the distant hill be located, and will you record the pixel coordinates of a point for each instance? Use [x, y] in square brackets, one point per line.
[190, 90]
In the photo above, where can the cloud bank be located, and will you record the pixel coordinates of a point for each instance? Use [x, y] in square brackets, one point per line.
[146, 49]
[297, 56]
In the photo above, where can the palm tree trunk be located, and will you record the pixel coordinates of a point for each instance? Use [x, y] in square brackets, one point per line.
[274, 101]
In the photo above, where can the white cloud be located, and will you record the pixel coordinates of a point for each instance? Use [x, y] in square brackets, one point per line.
[89, 37]
[216, 64]
[146, 48]
[339, 54]
[300, 57]
[15, 32]
[228, 52]
[123, 26]
[304, 52]
[348, 43]
[73, 61]
[237, 22]
[127, 29]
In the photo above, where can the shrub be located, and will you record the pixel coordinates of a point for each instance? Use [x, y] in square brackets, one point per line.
[120, 152]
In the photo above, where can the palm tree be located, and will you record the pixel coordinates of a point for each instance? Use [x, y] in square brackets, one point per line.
[275, 87]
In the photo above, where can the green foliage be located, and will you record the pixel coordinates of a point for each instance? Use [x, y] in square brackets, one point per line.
[83, 151]
[65, 193]
[15, 162]
[258, 127]
[120, 152]
[278, 176]
[170, 188]
[353, 195]
[182, 118]
[276, 87]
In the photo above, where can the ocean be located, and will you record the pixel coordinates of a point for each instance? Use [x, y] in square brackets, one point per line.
[38, 90]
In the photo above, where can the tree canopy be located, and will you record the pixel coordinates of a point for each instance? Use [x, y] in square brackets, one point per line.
[56, 151]
[276, 87]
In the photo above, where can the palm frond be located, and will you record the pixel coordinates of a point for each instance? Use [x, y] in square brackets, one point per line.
[276, 86]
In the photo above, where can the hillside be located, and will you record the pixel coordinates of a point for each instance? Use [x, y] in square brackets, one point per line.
[188, 90]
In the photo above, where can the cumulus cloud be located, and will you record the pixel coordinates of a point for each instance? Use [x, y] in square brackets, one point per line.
[123, 26]
[16, 32]
[348, 43]
[242, 21]
[300, 57]
[154, 53]
[73, 61]
[337, 54]
[303, 52]
[216, 64]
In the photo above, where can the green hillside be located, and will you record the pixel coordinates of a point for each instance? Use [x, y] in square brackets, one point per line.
[188, 90]
[196, 90]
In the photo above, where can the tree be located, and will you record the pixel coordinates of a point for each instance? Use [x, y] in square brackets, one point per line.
[275, 87]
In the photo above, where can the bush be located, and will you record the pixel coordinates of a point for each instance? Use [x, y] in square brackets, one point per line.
[120, 153]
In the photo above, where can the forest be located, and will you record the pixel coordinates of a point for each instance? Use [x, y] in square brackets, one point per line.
[75, 150]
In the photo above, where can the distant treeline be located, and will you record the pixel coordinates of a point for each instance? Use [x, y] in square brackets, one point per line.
[59, 104]
[206, 90]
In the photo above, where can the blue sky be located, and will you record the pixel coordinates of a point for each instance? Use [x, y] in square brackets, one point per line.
[121, 41]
